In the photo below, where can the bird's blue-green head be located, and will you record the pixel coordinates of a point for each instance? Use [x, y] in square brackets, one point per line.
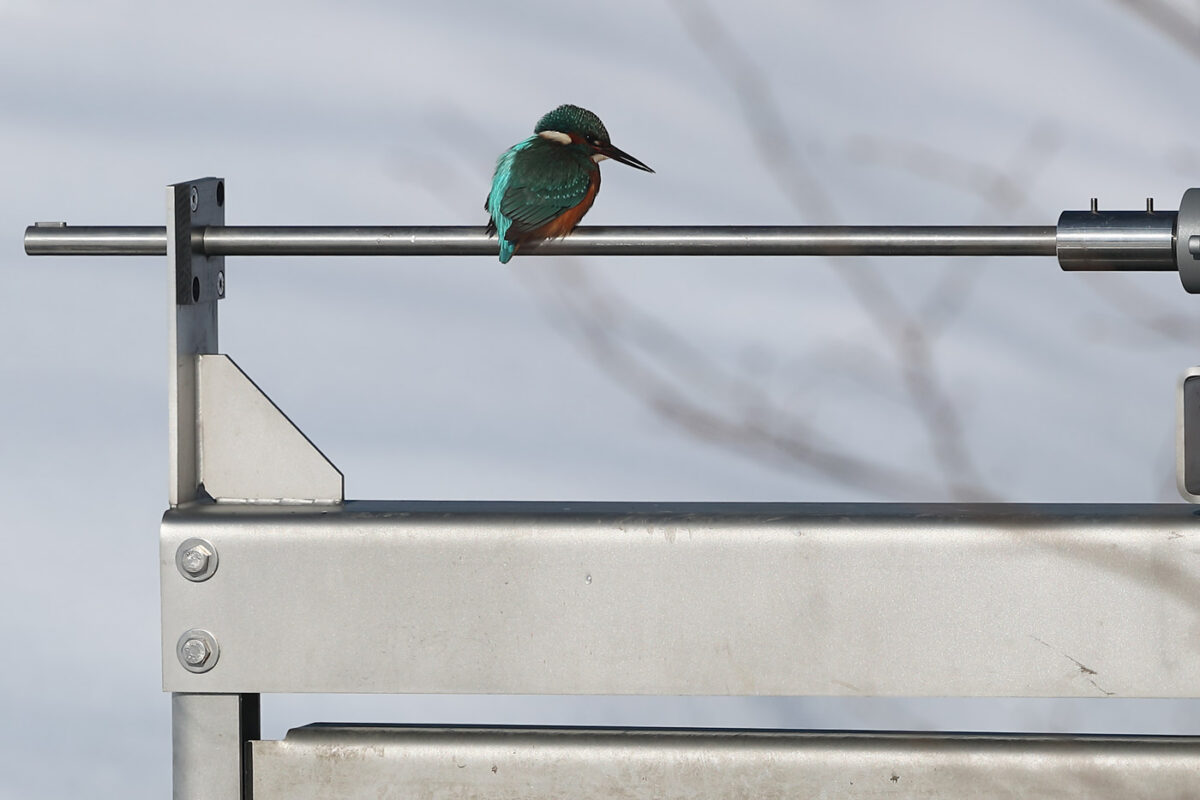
[572, 125]
[570, 119]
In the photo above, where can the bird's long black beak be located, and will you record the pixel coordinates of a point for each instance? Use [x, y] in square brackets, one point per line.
[617, 154]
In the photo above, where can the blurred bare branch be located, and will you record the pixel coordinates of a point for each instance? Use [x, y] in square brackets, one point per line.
[634, 358]
[903, 330]
[730, 405]
[1168, 20]
[667, 373]
[692, 390]
[1002, 192]
[1122, 294]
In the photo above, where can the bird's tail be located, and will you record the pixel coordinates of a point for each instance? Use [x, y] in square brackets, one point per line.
[507, 249]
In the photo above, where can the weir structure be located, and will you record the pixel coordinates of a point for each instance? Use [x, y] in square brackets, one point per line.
[272, 581]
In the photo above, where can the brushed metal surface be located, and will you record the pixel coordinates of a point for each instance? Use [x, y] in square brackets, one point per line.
[523, 764]
[249, 450]
[709, 599]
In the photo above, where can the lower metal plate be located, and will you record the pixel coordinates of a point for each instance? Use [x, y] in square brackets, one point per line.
[359, 762]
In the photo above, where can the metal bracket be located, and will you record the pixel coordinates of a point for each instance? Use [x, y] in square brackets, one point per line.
[249, 450]
[197, 283]
[226, 436]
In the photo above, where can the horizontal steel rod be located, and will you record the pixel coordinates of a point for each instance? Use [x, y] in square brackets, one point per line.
[126, 240]
[880, 240]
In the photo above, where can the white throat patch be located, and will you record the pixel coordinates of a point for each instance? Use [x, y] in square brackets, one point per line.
[556, 136]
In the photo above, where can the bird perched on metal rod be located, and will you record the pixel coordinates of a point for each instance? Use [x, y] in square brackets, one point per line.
[545, 184]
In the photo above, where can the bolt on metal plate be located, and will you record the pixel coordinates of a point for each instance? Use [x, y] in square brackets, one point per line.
[196, 559]
[197, 650]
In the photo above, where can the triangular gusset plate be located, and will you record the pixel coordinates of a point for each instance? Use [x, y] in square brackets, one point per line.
[249, 450]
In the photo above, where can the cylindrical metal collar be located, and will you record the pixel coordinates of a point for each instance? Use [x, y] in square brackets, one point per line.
[1116, 240]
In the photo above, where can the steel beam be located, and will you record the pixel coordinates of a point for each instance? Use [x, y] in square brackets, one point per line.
[368, 762]
[706, 599]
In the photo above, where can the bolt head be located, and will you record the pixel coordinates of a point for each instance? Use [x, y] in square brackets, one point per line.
[195, 559]
[195, 652]
[194, 199]
[221, 283]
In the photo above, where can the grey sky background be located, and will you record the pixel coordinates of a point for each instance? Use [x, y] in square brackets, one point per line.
[568, 378]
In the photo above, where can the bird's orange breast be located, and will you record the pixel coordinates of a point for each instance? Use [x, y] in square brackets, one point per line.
[565, 222]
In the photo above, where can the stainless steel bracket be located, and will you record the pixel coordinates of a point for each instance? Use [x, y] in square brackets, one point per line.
[249, 450]
[197, 282]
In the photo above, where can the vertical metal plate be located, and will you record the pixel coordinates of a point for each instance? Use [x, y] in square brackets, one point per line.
[196, 283]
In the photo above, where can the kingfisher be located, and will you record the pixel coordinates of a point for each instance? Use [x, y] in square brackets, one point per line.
[545, 184]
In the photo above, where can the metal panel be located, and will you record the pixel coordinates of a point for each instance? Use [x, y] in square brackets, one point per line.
[710, 599]
[514, 764]
[209, 733]
[249, 450]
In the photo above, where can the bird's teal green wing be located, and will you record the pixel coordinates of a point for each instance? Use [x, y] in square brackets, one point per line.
[545, 179]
